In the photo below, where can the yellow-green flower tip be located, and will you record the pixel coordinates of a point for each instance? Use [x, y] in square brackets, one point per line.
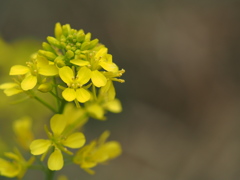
[39, 146]
[69, 54]
[53, 41]
[60, 62]
[58, 31]
[46, 87]
[55, 161]
[66, 29]
[49, 55]
[47, 47]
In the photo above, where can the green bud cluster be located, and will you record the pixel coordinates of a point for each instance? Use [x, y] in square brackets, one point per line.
[67, 44]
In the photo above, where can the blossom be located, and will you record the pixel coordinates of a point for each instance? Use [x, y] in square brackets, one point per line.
[38, 65]
[16, 167]
[75, 89]
[22, 129]
[58, 140]
[11, 88]
[105, 101]
[98, 151]
[97, 60]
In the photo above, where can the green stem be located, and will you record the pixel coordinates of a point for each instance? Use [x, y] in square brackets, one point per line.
[94, 92]
[56, 92]
[45, 104]
[50, 175]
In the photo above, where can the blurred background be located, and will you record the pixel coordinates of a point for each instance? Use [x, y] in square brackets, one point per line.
[181, 99]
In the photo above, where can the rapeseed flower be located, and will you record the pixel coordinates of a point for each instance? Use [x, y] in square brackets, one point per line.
[58, 140]
[23, 131]
[16, 166]
[38, 65]
[98, 151]
[75, 89]
[11, 88]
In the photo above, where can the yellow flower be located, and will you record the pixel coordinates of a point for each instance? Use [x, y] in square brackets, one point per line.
[105, 101]
[37, 66]
[16, 167]
[96, 61]
[22, 129]
[98, 151]
[75, 89]
[58, 139]
[11, 88]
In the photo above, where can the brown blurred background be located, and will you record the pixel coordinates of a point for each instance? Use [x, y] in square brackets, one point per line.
[181, 99]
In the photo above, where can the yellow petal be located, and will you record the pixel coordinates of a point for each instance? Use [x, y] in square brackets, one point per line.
[75, 140]
[69, 94]
[96, 111]
[112, 148]
[9, 169]
[39, 146]
[49, 70]
[12, 91]
[112, 67]
[41, 61]
[8, 85]
[98, 78]
[101, 53]
[66, 74]
[55, 161]
[18, 70]
[58, 123]
[79, 62]
[29, 82]
[82, 95]
[84, 75]
[113, 106]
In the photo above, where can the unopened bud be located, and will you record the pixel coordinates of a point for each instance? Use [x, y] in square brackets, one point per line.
[58, 31]
[53, 41]
[44, 88]
[49, 55]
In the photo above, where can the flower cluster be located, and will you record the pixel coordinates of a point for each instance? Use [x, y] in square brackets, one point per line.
[79, 74]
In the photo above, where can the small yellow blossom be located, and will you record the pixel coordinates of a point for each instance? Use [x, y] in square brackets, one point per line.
[75, 89]
[11, 88]
[95, 62]
[98, 151]
[16, 166]
[23, 131]
[58, 140]
[37, 66]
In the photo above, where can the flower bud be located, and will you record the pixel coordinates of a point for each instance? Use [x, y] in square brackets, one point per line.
[93, 43]
[69, 54]
[44, 88]
[58, 31]
[60, 61]
[53, 41]
[66, 29]
[49, 55]
[47, 47]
